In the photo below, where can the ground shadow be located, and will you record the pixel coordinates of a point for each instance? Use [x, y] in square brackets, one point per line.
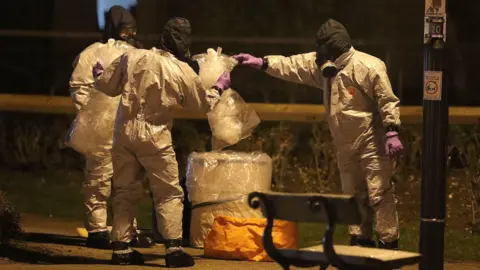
[18, 254]
[53, 239]
[153, 257]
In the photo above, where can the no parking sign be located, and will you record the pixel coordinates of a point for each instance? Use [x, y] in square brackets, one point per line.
[432, 85]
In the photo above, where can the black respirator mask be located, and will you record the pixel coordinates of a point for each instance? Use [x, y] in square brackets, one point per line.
[325, 62]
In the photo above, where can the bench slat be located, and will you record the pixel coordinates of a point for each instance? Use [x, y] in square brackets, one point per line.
[297, 207]
[373, 253]
[360, 257]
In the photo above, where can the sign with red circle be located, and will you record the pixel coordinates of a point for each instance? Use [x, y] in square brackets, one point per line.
[432, 85]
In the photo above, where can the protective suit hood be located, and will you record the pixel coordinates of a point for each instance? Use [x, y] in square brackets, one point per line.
[176, 38]
[117, 19]
[332, 40]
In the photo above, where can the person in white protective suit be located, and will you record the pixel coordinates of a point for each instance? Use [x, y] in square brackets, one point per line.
[363, 115]
[174, 41]
[120, 26]
[151, 83]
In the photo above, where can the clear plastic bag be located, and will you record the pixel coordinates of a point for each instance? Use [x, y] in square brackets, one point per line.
[91, 133]
[226, 175]
[231, 120]
[213, 64]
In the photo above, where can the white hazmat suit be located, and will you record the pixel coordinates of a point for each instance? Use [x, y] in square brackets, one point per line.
[359, 104]
[151, 83]
[363, 115]
[98, 115]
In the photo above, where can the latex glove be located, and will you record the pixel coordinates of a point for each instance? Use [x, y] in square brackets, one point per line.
[98, 69]
[249, 60]
[223, 81]
[393, 145]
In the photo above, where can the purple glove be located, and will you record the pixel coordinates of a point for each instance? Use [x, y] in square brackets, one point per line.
[98, 69]
[393, 145]
[249, 60]
[223, 81]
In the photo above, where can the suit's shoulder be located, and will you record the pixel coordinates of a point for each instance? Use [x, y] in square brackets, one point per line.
[368, 61]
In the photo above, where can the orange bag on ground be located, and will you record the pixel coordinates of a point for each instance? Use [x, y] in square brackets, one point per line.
[241, 238]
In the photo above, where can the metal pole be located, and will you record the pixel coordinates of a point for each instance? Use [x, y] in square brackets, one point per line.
[434, 145]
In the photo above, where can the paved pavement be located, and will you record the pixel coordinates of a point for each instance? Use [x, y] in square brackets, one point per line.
[54, 244]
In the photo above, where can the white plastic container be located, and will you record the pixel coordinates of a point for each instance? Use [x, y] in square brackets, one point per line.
[218, 183]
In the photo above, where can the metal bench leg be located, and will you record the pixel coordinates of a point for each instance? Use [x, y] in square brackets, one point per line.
[328, 248]
[257, 200]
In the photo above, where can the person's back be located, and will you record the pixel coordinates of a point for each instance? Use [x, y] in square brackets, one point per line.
[154, 83]
[149, 93]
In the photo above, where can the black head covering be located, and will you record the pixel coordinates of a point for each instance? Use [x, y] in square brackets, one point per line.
[332, 40]
[117, 18]
[176, 38]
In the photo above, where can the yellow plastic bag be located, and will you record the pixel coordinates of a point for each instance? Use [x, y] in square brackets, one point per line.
[241, 238]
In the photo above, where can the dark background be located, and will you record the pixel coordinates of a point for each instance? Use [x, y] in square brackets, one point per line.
[391, 30]
[42, 176]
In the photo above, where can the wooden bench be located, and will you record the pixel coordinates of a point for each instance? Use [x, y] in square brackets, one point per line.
[332, 210]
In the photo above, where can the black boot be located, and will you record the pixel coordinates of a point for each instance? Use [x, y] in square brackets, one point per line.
[388, 245]
[100, 240]
[124, 255]
[355, 241]
[142, 241]
[176, 257]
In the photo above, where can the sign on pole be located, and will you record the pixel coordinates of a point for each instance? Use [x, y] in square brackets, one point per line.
[435, 20]
[435, 7]
[432, 85]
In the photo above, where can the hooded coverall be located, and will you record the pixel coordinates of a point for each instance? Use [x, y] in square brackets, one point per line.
[151, 83]
[99, 170]
[359, 104]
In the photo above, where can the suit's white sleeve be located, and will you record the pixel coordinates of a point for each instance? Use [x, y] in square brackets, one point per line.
[300, 68]
[195, 95]
[388, 104]
[81, 82]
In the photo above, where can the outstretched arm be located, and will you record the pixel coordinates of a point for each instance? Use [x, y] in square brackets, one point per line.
[299, 68]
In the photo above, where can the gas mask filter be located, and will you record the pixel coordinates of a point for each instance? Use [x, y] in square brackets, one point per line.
[325, 62]
[329, 69]
[128, 33]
